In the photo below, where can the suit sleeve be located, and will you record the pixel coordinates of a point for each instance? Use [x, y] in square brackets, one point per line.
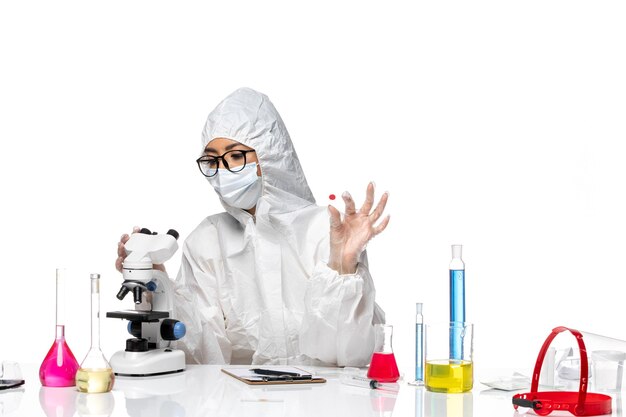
[340, 314]
[197, 305]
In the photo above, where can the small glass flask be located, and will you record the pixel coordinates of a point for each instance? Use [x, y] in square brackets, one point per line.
[383, 367]
[59, 367]
[95, 374]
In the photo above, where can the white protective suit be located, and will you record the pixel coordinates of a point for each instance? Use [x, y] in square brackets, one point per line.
[258, 290]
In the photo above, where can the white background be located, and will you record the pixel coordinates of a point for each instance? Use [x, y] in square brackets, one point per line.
[498, 125]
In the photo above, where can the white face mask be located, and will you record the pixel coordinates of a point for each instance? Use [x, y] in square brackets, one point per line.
[238, 189]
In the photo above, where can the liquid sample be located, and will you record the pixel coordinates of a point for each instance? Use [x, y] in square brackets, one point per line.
[94, 380]
[383, 367]
[59, 367]
[449, 376]
[457, 312]
[95, 373]
[419, 352]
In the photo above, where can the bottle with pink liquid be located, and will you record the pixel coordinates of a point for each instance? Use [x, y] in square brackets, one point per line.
[383, 367]
[59, 367]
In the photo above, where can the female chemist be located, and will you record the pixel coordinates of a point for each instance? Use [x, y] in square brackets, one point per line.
[275, 279]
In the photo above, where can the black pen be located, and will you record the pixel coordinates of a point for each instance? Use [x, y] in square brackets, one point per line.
[286, 378]
[273, 372]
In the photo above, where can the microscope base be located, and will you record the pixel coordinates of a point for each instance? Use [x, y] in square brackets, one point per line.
[151, 363]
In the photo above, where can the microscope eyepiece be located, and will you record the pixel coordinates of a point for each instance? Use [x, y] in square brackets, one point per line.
[170, 232]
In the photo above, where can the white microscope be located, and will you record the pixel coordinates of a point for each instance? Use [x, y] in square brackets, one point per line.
[149, 353]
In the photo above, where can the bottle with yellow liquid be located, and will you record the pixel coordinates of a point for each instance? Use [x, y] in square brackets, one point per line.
[449, 375]
[95, 374]
[444, 371]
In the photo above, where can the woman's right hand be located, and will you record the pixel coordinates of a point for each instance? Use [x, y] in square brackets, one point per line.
[121, 252]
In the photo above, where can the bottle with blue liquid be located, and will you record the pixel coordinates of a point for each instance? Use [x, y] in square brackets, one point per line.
[419, 344]
[457, 302]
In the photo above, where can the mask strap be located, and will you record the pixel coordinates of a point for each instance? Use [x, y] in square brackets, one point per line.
[584, 366]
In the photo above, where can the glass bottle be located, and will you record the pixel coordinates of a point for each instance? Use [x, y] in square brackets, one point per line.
[59, 367]
[95, 374]
[383, 366]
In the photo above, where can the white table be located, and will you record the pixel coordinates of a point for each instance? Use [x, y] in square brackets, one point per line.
[203, 390]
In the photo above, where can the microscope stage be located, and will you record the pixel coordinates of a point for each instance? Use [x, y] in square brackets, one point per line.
[135, 315]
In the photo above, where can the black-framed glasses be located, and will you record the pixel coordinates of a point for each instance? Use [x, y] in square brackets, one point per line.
[234, 161]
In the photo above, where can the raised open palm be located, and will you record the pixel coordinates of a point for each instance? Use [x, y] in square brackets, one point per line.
[349, 236]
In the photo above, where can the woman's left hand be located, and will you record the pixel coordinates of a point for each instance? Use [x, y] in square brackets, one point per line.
[349, 236]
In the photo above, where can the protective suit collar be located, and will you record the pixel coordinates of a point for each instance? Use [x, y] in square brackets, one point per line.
[249, 117]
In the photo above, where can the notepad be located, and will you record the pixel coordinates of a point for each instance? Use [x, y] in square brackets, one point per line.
[251, 378]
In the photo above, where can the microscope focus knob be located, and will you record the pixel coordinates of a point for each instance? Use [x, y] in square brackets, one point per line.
[134, 328]
[172, 329]
[137, 345]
